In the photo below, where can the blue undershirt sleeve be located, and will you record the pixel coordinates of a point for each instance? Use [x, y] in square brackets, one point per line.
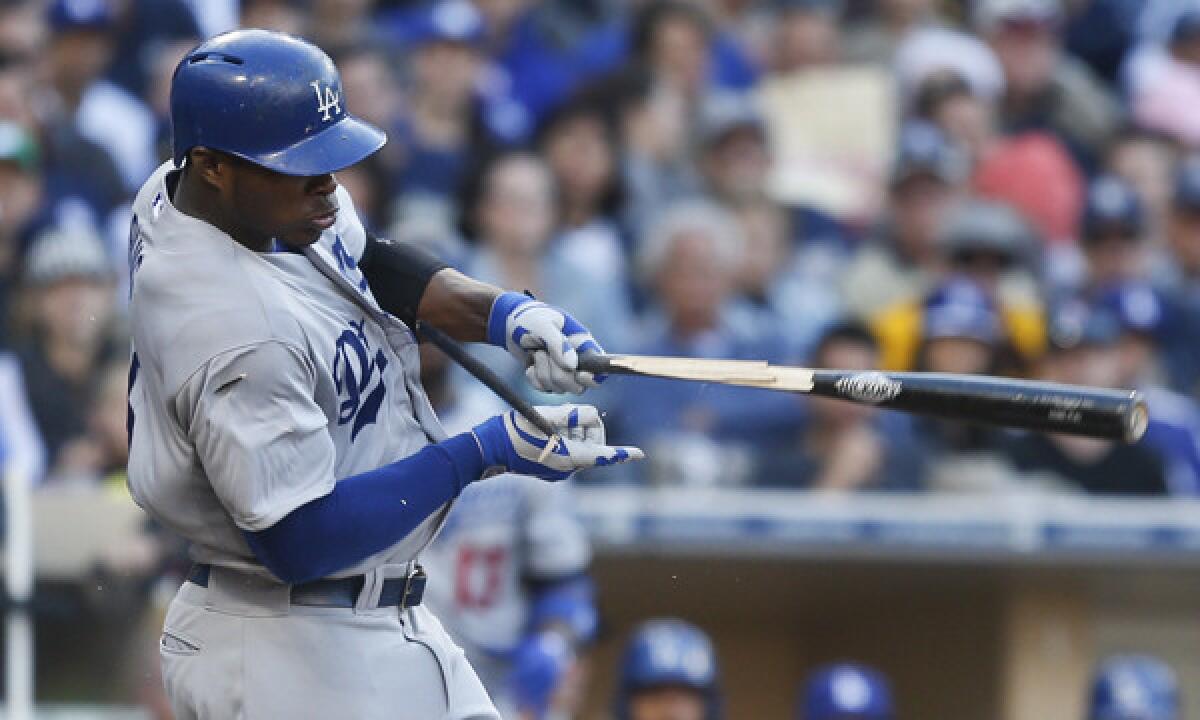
[366, 513]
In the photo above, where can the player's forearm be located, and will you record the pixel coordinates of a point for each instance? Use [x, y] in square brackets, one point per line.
[366, 513]
[458, 305]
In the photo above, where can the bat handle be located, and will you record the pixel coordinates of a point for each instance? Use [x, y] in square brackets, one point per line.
[595, 363]
[485, 375]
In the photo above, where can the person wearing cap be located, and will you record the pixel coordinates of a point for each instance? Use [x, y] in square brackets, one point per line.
[80, 50]
[21, 205]
[1045, 88]
[846, 691]
[1164, 82]
[1147, 323]
[845, 447]
[927, 177]
[807, 35]
[986, 244]
[1114, 234]
[1182, 285]
[70, 284]
[1083, 351]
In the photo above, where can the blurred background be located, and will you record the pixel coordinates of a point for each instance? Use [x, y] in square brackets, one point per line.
[979, 186]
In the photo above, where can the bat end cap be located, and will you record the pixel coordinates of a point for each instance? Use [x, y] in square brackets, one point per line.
[1137, 420]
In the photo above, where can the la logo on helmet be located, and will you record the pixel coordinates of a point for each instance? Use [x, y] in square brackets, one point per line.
[328, 102]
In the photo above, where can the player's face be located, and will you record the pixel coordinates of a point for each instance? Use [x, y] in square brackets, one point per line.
[293, 209]
[669, 703]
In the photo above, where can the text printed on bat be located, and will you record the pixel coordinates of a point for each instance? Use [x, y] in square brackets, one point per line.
[870, 387]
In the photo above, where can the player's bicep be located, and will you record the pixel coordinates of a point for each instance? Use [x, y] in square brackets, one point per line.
[261, 437]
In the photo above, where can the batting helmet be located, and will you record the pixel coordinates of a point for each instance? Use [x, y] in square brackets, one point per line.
[668, 652]
[846, 691]
[1134, 687]
[269, 98]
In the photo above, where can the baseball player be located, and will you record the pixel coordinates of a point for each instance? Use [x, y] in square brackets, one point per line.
[508, 573]
[276, 416]
[1134, 687]
[846, 691]
[668, 672]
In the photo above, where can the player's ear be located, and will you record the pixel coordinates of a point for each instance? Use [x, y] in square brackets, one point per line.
[209, 165]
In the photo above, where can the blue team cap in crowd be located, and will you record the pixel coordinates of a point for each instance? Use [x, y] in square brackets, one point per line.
[66, 15]
[844, 691]
[1186, 27]
[1074, 324]
[1134, 687]
[1136, 306]
[1187, 184]
[959, 308]
[922, 149]
[450, 21]
[1112, 205]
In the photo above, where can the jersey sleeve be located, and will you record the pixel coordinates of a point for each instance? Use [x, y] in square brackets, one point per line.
[556, 544]
[260, 435]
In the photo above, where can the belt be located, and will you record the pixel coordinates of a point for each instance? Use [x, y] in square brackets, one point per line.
[402, 592]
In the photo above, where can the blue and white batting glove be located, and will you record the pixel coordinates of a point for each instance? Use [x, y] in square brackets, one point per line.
[513, 443]
[538, 666]
[545, 339]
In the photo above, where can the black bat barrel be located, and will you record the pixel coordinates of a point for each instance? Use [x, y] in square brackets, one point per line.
[1049, 407]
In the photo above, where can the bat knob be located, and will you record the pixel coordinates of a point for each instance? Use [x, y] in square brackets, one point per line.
[1137, 419]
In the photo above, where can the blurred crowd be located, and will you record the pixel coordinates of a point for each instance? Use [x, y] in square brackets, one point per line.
[979, 186]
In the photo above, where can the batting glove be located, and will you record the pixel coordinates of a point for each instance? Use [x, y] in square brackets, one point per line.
[513, 443]
[545, 339]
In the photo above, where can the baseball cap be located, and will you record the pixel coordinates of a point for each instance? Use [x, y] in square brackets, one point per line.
[847, 690]
[726, 113]
[1186, 27]
[1112, 204]
[67, 15]
[989, 14]
[1187, 184]
[1074, 324]
[60, 253]
[922, 149]
[986, 225]
[1136, 306]
[18, 146]
[451, 21]
[959, 308]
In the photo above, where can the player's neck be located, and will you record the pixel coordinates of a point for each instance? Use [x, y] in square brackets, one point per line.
[192, 198]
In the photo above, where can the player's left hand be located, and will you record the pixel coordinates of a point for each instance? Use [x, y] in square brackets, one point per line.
[538, 667]
[545, 339]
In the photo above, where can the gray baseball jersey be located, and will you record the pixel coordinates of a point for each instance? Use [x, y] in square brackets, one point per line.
[257, 381]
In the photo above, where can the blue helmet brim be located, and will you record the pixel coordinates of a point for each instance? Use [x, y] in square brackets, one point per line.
[339, 146]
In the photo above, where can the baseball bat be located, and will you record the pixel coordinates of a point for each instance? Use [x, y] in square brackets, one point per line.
[1043, 406]
[485, 375]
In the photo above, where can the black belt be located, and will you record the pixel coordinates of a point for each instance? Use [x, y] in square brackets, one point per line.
[402, 592]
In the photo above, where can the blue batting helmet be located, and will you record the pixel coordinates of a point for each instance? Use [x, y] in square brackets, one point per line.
[668, 653]
[847, 691]
[1134, 687]
[269, 98]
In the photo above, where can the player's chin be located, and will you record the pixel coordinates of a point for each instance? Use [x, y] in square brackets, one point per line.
[301, 236]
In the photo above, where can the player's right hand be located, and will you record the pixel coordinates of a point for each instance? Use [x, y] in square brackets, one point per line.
[513, 443]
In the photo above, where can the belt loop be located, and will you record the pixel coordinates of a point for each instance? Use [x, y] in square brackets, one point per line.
[368, 597]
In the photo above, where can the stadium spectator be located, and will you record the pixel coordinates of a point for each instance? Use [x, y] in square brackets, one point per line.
[1145, 160]
[1045, 89]
[70, 286]
[982, 243]
[341, 23]
[689, 260]
[876, 38]
[846, 691]
[141, 27]
[1181, 286]
[580, 146]
[21, 196]
[1101, 33]
[1114, 242]
[1028, 169]
[806, 35]
[1083, 351]
[902, 259]
[842, 446]
[277, 15]
[1165, 81]
[21, 448]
